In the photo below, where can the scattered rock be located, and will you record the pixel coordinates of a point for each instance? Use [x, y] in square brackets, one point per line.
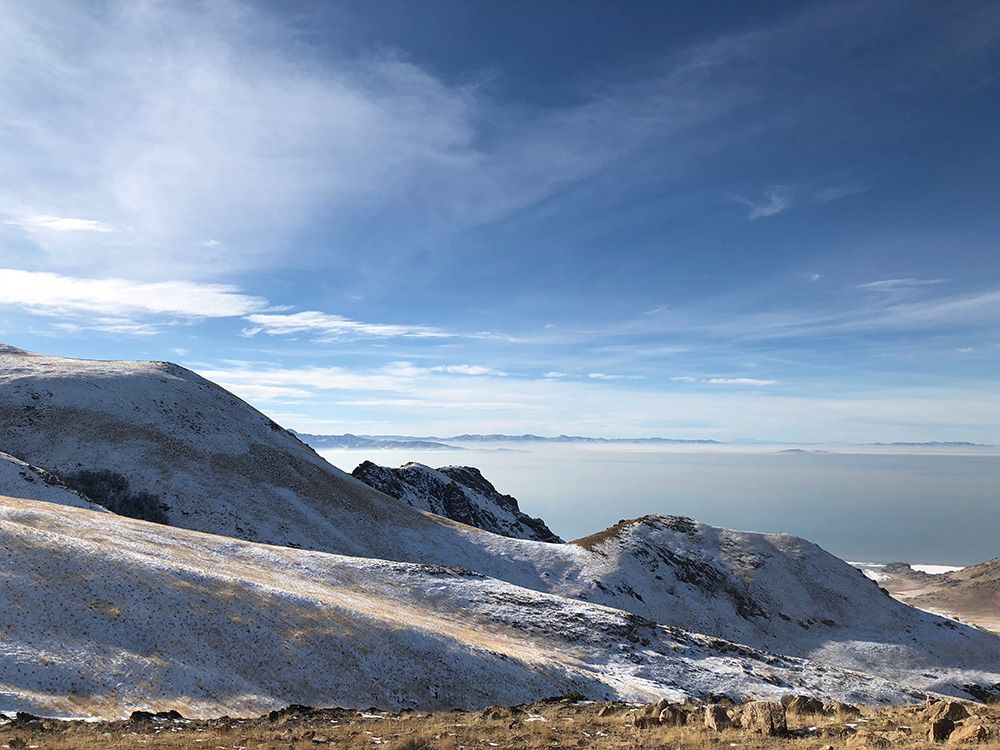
[968, 733]
[716, 717]
[803, 705]
[764, 717]
[952, 710]
[672, 716]
[940, 730]
[141, 716]
[842, 710]
[869, 740]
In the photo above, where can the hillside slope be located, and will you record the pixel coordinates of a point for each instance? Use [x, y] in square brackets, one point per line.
[23, 480]
[224, 468]
[971, 594]
[103, 614]
[460, 493]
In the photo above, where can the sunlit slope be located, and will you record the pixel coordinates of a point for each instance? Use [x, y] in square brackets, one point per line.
[224, 468]
[101, 614]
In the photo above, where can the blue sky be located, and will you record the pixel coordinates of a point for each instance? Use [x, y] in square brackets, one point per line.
[633, 219]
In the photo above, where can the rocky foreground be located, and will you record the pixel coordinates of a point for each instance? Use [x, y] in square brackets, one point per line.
[800, 722]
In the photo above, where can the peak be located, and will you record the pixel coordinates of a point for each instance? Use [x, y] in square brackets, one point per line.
[681, 524]
[13, 350]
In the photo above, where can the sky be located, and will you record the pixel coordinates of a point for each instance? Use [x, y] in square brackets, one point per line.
[727, 220]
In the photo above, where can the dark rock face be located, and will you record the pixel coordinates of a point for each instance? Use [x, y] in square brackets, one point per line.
[460, 493]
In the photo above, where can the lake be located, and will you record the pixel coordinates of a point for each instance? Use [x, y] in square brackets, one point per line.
[879, 505]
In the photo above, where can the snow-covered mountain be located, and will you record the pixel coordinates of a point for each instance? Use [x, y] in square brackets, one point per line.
[460, 493]
[219, 466]
[102, 614]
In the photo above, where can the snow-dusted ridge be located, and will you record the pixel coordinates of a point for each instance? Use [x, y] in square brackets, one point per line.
[460, 493]
[33, 483]
[224, 468]
[102, 615]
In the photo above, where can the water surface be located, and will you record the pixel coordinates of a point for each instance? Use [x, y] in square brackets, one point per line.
[880, 505]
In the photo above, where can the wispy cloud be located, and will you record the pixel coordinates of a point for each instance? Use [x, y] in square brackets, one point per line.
[776, 200]
[475, 370]
[739, 381]
[59, 224]
[901, 284]
[723, 381]
[836, 192]
[51, 293]
[608, 376]
[328, 327]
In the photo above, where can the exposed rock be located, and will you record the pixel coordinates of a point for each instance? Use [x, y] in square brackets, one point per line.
[940, 730]
[764, 717]
[460, 493]
[952, 710]
[804, 705]
[842, 710]
[141, 716]
[868, 739]
[969, 732]
[672, 716]
[716, 717]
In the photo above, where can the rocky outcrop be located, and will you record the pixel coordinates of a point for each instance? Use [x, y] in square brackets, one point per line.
[969, 733]
[716, 717]
[460, 493]
[764, 717]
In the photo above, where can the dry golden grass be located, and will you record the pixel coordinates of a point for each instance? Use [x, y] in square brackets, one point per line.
[552, 724]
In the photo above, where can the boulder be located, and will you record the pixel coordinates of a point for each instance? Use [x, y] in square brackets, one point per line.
[764, 717]
[645, 721]
[940, 730]
[672, 716]
[952, 710]
[842, 710]
[716, 717]
[803, 705]
[968, 733]
[869, 740]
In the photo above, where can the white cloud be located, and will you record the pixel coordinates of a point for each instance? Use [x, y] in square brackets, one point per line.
[739, 381]
[185, 122]
[555, 374]
[327, 327]
[49, 292]
[451, 405]
[836, 192]
[258, 393]
[607, 376]
[59, 224]
[896, 285]
[468, 370]
[319, 378]
[777, 200]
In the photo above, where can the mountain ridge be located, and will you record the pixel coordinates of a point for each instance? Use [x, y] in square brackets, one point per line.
[224, 468]
[460, 493]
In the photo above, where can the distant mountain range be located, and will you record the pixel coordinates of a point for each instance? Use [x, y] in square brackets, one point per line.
[347, 440]
[454, 442]
[381, 442]
[932, 444]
